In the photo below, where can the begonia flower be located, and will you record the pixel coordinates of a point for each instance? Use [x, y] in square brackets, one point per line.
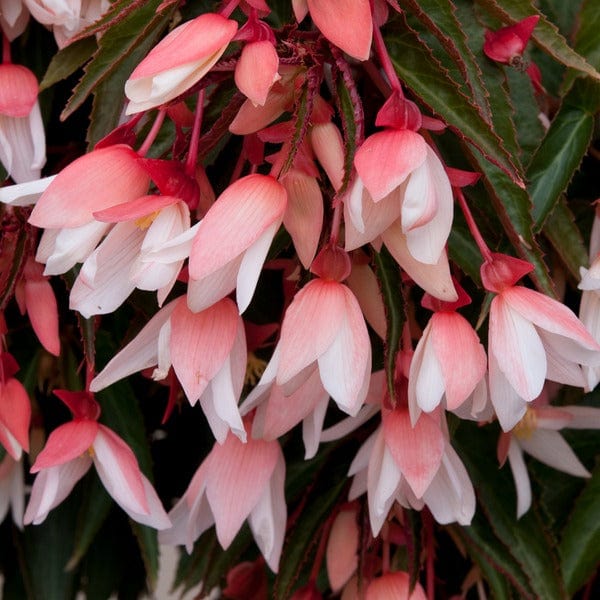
[531, 338]
[235, 482]
[233, 239]
[506, 45]
[208, 353]
[68, 455]
[178, 61]
[257, 70]
[22, 136]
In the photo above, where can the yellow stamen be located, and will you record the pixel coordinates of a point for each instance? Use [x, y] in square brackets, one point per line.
[90, 451]
[147, 220]
[255, 367]
[527, 425]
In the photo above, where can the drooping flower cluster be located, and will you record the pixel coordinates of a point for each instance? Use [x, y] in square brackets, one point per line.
[292, 295]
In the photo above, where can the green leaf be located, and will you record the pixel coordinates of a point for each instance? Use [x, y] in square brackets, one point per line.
[580, 543]
[439, 17]
[66, 61]
[545, 34]
[127, 38]
[303, 536]
[565, 237]
[586, 37]
[390, 283]
[422, 73]
[525, 540]
[559, 156]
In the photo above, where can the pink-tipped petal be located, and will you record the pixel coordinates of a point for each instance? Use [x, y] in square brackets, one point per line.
[81, 188]
[239, 474]
[43, 312]
[66, 443]
[119, 472]
[322, 304]
[332, 18]
[517, 348]
[134, 209]
[417, 451]
[203, 293]
[18, 90]
[387, 158]
[363, 283]
[200, 343]
[328, 146]
[235, 221]
[394, 585]
[462, 358]
[342, 548]
[15, 414]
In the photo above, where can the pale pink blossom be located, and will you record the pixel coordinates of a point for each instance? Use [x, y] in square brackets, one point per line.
[531, 338]
[537, 434]
[257, 70]
[233, 239]
[449, 360]
[69, 453]
[22, 137]
[15, 409]
[178, 61]
[12, 490]
[207, 351]
[235, 482]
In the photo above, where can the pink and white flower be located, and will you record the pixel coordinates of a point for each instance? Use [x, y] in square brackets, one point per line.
[178, 61]
[257, 70]
[12, 490]
[22, 137]
[207, 351]
[68, 455]
[232, 242]
[235, 482]
[531, 338]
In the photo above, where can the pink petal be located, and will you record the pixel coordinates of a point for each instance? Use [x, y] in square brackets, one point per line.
[200, 343]
[268, 518]
[434, 279]
[135, 209]
[43, 313]
[332, 18]
[345, 366]
[235, 221]
[203, 293]
[303, 216]
[417, 451]
[239, 474]
[66, 443]
[517, 348]
[256, 70]
[81, 189]
[328, 146]
[141, 353]
[462, 358]
[15, 412]
[387, 158]
[548, 314]
[119, 472]
[394, 585]
[18, 90]
[342, 548]
[363, 283]
[320, 303]
[52, 486]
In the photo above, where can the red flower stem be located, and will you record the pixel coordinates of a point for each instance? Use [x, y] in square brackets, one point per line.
[160, 117]
[486, 253]
[192, 157]
[5, 50]
[336, 221]
[386, 62]
[229, 8]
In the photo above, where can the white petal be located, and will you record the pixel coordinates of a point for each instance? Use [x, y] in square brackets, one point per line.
[508, 405]
[521, 477]
[312, 426]
[25, 194]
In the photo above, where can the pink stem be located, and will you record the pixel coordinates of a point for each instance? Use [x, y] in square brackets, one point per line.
[336, 222]
[229, 8]
[190, 164]
[486, 253]
[386, 62]
[160, 117]
[5, 50]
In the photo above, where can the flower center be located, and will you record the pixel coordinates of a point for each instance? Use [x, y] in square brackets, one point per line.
[527, 425]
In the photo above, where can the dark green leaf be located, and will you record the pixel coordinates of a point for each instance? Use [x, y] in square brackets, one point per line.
[142, 26]
[66, 61]
[439, 17]
[580, 543]
[390, 283]
[545, 34]
[423, 74]
[586, 37]
[566, 238]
